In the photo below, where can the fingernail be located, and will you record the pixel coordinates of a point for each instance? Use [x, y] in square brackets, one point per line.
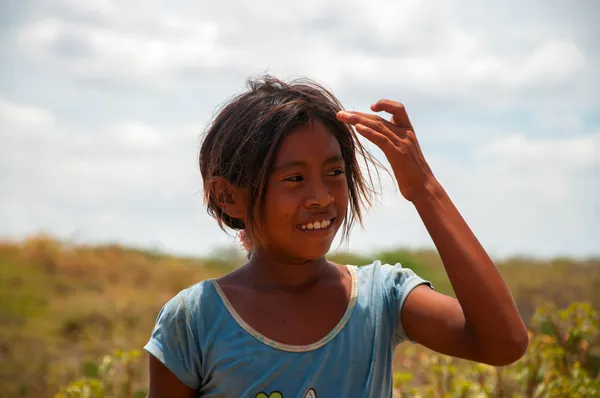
[343, 113]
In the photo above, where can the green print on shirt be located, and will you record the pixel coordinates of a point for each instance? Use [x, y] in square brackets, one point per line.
[276, 394]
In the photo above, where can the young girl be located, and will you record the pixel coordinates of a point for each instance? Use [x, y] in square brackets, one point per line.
[280, 164]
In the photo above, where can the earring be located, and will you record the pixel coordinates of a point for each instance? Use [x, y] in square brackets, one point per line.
[244, 240]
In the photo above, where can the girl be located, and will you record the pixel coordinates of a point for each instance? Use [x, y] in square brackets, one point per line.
[280, 164]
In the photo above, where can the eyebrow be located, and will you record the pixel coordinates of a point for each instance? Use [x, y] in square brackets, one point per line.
[296, 163]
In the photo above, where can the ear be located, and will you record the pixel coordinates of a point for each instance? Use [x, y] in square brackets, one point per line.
[231, 199]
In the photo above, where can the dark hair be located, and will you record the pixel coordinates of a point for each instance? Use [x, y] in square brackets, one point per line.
[242, 141]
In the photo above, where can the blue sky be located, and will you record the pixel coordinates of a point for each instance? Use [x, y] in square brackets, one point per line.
[102, 104]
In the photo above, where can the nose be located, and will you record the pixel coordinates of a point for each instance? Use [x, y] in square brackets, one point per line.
[318, 195]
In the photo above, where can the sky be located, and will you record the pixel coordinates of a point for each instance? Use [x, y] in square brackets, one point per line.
[103, 103]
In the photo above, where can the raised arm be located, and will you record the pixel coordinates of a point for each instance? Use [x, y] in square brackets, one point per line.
[483, 323]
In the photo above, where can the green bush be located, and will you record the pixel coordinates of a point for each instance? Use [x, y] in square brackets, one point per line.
[561, 361]
[113, 377]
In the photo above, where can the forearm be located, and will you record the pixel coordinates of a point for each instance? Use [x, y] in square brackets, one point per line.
[489, 309]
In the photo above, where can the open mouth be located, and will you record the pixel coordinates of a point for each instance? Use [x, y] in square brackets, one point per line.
[322, 225]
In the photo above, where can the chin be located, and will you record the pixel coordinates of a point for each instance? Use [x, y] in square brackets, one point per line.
[313, 253]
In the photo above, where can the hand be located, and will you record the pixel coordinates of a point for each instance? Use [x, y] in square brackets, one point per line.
[398, 142]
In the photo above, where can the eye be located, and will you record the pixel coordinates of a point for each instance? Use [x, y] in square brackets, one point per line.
[296, 178]
[336, 172]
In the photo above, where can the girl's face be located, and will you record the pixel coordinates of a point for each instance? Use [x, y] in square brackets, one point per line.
[307, 194]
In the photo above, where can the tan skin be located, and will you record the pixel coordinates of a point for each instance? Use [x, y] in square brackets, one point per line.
[285, 282]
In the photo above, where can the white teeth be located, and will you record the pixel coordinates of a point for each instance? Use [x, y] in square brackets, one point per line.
[317, 225]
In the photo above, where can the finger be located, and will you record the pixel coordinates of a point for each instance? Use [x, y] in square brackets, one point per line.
[363, 114]
[381, 140]
[396, 109]
[374, 122]
[353, 117]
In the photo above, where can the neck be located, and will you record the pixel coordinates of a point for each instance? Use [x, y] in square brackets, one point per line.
[267, 271]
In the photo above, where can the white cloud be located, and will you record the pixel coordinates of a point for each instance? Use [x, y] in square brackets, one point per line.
[471, 74]
[101, 53]
[129, 182]
[532, 195]
[24, 118]
[516, 150]
[140, 135]
[430, 49]
[520, 196]
[137, 183]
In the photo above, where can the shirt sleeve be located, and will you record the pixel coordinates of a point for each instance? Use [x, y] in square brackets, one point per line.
[173, 341]
[398, 282]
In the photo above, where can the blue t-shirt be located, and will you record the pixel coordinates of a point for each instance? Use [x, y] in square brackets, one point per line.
[203, 341]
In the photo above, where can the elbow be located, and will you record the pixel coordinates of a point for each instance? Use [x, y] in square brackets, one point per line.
[509, 351]
[518, 346]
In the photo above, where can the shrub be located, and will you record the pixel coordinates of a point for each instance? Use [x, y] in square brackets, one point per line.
[114, 377]
[562, 361]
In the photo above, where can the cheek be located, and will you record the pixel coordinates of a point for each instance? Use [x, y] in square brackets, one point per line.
[279, 206]
[340, 193]
[342, 204]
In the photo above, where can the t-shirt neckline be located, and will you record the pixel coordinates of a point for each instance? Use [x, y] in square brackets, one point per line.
[289, 347]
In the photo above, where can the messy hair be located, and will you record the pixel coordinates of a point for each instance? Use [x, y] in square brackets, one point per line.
[242, 141]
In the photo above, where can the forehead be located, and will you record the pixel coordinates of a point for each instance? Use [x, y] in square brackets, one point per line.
[312, 140]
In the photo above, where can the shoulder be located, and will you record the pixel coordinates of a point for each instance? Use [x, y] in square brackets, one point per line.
[393, 279]
[384, 272]
[188, 303]
[182, 318]
[392, 284]
[176, 339]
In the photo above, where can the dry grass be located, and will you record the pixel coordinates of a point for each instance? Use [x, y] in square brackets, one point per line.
[62, 305]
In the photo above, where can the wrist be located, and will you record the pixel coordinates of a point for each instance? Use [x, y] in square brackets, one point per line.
[432, 190]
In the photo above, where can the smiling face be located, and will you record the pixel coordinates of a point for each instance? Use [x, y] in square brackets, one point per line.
[237, 157]
[307, 194]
